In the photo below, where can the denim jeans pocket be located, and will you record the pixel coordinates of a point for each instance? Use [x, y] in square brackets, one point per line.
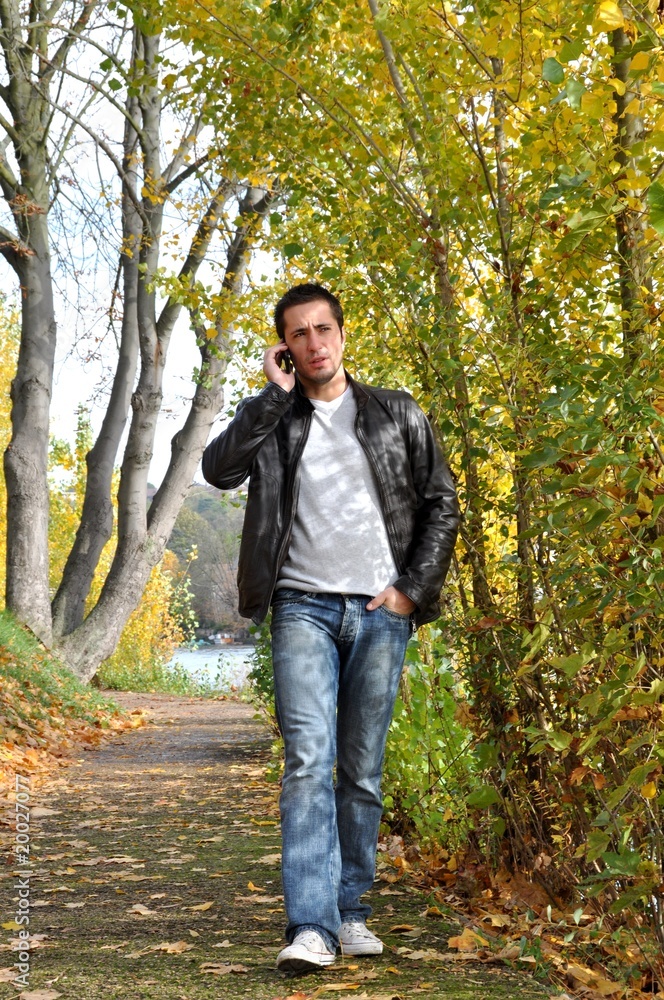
[286, 595]
[394, 614]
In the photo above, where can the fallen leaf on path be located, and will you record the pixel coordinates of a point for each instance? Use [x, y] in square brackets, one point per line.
[333, 988]
[39, 995]
[7, 974]
[468, 940]
[221, 970]
[269, 859]
[401, 928]
[38, 812]
[142, 910]
[427, 955]
[607, 988]
[509, 952]
[73, 906]
[222, 944]
[200, 906]
[122, 859]
[497, 919]
[255, 888]
[174, 947]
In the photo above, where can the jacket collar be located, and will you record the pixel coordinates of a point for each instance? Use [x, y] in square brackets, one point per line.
[359, 391]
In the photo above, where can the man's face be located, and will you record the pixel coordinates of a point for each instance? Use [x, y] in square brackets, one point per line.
[315, 342]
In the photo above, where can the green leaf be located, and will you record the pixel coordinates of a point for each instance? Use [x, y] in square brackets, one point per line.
[596, 845]
[114, 84]
[575, 91]
[559, 739]
[571, 50]
[656, 205]
[539, 459]
[292, 250]
[483, 797]
[625, 863]
[552, 71]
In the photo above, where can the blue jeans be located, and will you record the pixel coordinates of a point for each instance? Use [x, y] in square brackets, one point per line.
[336, 674]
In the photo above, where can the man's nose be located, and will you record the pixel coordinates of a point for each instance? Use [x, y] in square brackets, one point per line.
[314, 340]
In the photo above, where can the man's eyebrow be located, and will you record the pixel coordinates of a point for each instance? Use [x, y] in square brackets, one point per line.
[317, 326]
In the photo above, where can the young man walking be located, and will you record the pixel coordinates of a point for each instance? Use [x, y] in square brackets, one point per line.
[350, 523]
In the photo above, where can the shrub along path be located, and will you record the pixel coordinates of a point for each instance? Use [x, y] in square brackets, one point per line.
[156, 874]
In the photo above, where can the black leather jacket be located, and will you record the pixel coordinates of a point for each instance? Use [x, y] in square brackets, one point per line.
[265, 441]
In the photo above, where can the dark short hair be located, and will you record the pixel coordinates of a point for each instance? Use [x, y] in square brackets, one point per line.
[309, 292]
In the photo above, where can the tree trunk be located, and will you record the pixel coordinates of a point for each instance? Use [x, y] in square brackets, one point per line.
[26, 458]
[634, 262]
[96, 523]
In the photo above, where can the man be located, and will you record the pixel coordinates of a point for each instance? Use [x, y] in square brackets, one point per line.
[350, 524]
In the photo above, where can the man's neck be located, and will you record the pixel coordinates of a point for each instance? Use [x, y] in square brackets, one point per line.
[328, 390]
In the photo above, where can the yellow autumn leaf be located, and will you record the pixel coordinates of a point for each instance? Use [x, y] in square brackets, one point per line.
[593, 104]
[618, 85]
[468, 940]
[639, 61]
[201, 906]
[649, 790]
[644, 503]
[609, 16]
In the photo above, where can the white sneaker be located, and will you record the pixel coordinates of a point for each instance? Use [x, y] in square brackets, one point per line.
[355, 938]
[307, 952]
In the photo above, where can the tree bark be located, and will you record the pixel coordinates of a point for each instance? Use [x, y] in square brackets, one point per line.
[26, 457]
[96, 523]
[634, 262]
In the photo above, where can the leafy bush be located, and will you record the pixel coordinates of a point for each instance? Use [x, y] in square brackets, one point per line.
[429, 767]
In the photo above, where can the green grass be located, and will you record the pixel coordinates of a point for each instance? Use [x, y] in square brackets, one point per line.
[36, 687]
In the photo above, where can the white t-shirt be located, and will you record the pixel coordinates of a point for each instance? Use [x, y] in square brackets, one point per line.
[339, 542]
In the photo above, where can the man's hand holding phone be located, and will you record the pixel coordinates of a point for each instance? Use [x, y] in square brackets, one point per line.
[278, 366]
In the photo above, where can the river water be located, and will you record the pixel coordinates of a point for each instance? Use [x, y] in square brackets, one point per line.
[222, 667]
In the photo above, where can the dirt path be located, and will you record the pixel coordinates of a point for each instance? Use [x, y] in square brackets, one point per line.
[160, 861]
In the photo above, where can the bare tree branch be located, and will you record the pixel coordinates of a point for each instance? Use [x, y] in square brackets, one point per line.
[127, 184]
[197, 251]
[12, 249]
[191, 169]
[181, 152]
[58, 60]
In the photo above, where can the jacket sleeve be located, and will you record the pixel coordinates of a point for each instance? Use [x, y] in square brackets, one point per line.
[227, 460]
[437, 517]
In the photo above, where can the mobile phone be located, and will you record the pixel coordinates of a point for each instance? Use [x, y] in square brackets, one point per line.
[285, 361]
